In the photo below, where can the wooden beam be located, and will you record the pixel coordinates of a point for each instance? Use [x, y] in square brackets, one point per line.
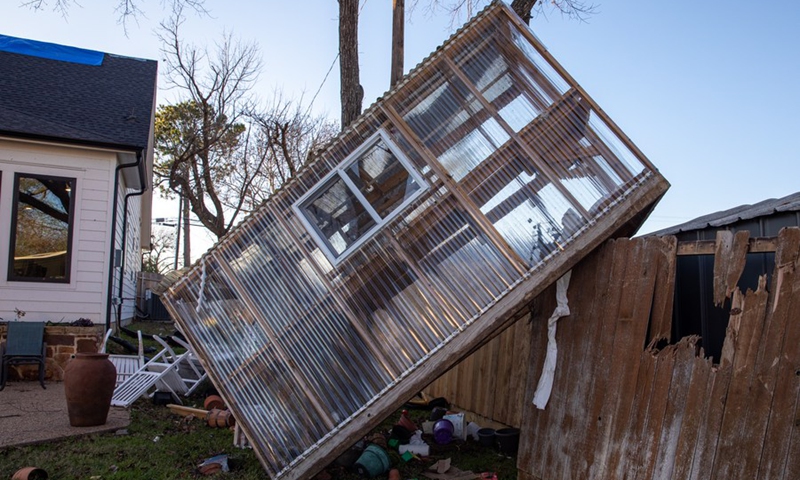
[708, 247]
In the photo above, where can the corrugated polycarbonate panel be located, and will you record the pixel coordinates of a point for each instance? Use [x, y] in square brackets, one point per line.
[514, 163]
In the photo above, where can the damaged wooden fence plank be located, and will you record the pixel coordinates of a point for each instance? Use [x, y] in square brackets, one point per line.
[668, 444]
[510, 403]
[763, 383]
[696, 409]
[581, 335]
[729, 260]
[632, 439]
[661, 314]
[531, 445]
[710, 424]
[745, 327]
[503, 371]
[656, 412]
[781, 443]
[664, 293]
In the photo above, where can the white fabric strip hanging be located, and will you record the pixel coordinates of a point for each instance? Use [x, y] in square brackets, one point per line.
[545, 387]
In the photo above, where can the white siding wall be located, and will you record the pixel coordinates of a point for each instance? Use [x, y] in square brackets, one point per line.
[85, 295]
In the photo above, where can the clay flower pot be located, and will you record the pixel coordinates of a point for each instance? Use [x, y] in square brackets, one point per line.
[29, 473]
[89, 381]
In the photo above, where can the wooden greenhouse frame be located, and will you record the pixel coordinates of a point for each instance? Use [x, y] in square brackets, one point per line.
[413, 238]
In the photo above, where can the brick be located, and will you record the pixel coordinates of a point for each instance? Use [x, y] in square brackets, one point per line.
[86, 345]
[62, 358]
[68, 349]
[59, 339]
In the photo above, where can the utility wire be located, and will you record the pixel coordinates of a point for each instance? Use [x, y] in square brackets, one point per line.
[335, 59]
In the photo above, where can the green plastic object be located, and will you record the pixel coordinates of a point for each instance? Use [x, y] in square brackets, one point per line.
[373, 462]
[394, 443]
[407, 456]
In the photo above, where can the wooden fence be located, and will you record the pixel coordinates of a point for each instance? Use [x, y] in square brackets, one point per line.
[626, 404]
[491, 382]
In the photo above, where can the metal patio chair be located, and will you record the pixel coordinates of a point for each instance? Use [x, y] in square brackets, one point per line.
[24, 345]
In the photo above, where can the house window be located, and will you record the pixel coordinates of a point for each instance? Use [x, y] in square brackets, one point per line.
[41, 227]
[361, 194]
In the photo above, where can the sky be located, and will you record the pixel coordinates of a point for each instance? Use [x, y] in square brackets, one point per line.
[709, 91]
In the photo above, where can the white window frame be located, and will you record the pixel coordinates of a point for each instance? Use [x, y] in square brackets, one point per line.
[340, 172]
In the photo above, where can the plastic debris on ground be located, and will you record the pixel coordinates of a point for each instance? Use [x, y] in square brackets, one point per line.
[416, 445]
[442, 470]
[215, 464]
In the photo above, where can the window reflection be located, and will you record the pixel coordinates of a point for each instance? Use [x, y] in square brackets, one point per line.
[41, 225]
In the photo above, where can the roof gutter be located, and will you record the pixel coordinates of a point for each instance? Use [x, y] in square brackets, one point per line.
[110, 298]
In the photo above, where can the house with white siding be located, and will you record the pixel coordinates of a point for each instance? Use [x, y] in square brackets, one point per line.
[76, 150]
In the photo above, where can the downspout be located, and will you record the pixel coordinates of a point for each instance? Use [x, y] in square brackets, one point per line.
[124, 241]
[110, 292]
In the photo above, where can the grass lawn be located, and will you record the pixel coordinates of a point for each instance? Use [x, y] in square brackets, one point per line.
[162, 445]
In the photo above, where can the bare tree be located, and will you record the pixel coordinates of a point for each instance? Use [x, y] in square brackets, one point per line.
[159, 257]
[217, 149]
[280, 139]
[526, 9]
[125, 9]
[197, 139]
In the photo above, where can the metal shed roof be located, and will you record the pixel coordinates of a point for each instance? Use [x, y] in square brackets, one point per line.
[789, 203]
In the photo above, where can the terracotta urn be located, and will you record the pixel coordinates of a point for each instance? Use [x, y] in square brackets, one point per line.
[89, 381]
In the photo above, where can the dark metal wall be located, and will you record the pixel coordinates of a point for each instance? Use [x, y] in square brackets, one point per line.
[695, 312]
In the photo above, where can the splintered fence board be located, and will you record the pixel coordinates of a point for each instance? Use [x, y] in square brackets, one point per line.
[687, 418]
[781, 442]
[661, 314]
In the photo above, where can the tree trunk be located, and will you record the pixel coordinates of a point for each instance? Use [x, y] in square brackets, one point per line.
[523, 9]
[398, 35]
[187, 250]
[351, 92]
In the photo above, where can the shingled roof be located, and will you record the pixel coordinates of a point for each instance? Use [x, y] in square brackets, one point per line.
[67, 98]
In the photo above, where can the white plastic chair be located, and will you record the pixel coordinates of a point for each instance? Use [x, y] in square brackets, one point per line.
[126, 365]
[161, 371]
[191, 369]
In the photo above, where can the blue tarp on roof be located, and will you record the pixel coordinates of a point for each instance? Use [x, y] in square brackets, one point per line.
[52, 51]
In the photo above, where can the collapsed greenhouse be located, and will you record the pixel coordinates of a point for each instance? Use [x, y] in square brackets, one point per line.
[412, 239]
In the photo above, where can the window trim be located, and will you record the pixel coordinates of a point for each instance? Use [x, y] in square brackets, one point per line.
[340, 171]
[10, 276]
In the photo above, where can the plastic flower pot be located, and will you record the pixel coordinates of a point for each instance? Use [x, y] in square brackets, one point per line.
[508, 440]
[486, 437]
